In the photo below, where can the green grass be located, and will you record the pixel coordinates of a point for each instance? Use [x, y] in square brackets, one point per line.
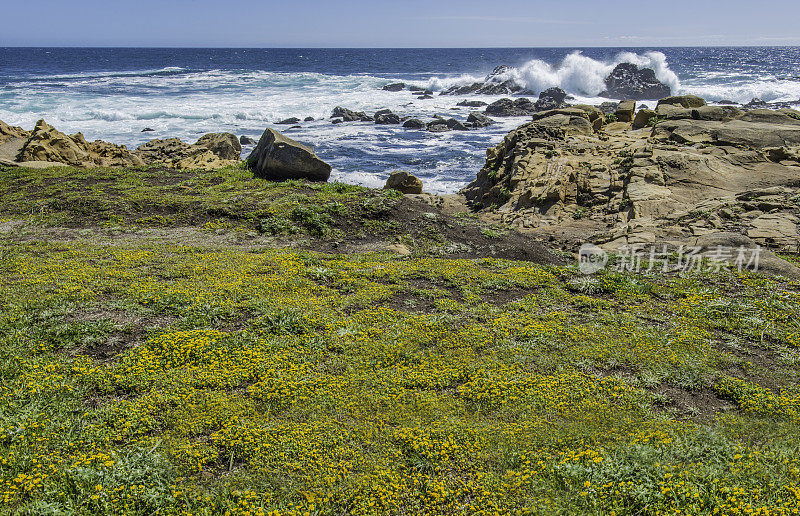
[159, 378]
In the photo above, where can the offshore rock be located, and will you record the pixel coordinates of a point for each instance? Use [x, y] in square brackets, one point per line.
[627, 81]
[496, 83]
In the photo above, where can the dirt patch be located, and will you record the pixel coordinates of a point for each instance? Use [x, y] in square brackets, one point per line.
[501, 297]
[436, 233]
[129, 331]
[700, 405]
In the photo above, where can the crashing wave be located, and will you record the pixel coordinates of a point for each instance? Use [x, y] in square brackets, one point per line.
[576, 74]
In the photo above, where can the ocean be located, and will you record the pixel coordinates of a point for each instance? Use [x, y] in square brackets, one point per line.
[113, 94]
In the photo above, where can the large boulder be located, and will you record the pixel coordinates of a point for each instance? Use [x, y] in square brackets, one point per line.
[627, 81]
[508, 107]
[278, 158]
[404, 182]
[224, 145]
[626, 111]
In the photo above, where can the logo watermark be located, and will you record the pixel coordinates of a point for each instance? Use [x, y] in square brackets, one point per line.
[648, 259]
[591, 259]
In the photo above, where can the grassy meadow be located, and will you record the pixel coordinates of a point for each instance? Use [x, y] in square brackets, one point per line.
[202, 343]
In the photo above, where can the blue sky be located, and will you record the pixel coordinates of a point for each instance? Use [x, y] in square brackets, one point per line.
[398, 23]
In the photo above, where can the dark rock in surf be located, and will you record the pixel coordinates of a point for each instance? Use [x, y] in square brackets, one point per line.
[551, 98]
[508, 107]
[395, 87]
[386, 117]
[348, 115]
[479, 120]
[627, 81]
[414, 123]
[472, 103]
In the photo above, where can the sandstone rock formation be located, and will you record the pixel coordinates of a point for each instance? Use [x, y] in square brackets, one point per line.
[224, 145]
[683, 179]
[279, 158]
[212, 151]
[46, 144]
[404, 182]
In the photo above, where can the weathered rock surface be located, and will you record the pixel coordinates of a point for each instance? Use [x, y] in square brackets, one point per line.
[212, 151]
[685, 179]
[224, 145]
[278, 158]
[626, 111]
[46, 144]
[755, 129]
[627, 81]
[404, 182]
[684, 101]
[643, 117]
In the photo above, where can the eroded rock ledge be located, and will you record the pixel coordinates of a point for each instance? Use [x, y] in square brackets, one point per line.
[691, 170]
[45, 146]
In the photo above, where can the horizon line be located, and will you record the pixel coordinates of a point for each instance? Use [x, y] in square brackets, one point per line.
[190, 47]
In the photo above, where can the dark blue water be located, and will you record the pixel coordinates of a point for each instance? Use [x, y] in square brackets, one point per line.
[115, 93]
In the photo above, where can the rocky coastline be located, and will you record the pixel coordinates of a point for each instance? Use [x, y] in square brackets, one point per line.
[615, 175]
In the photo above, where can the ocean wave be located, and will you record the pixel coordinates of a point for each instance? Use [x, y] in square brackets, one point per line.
[576, 73]
[166, 71]
[745, 91]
